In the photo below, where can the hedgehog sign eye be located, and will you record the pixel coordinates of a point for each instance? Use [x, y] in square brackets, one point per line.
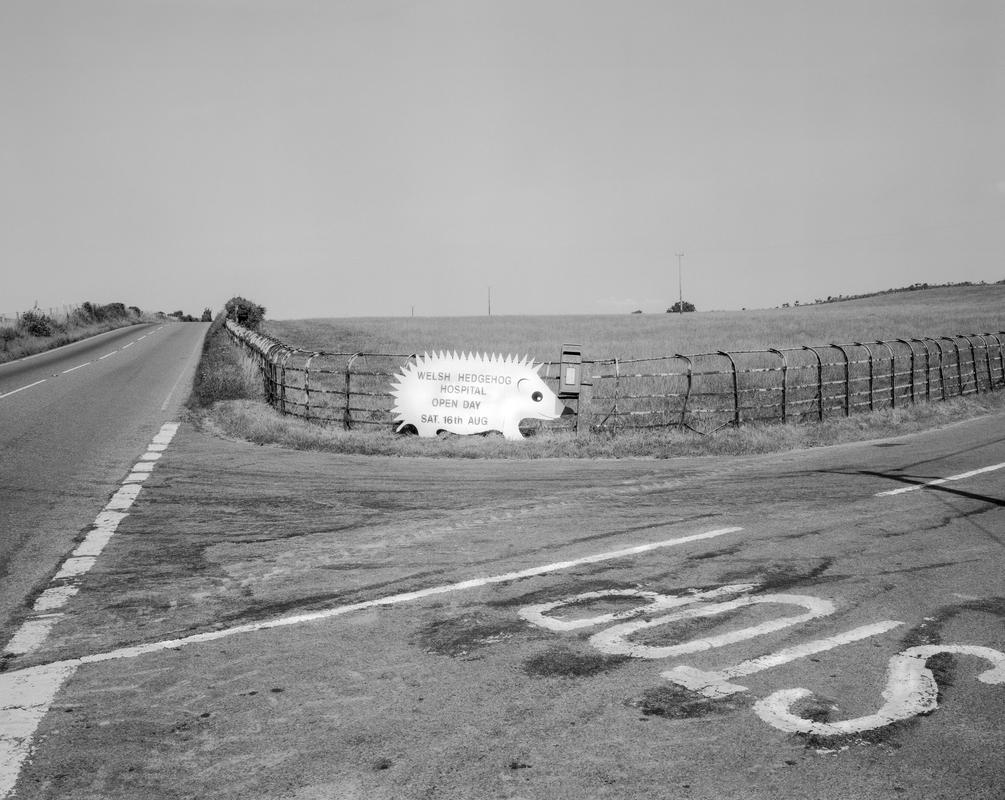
[537, 397]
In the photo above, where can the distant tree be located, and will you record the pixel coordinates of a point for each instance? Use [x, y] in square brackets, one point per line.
[245, 312]
[676, 307]
[637, 311]
[136, 311]
[207, 315]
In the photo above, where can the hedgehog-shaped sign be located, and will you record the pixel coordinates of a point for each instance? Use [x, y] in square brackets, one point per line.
[471, 394]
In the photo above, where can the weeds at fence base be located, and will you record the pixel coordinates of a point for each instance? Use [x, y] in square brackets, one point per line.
[255, 422]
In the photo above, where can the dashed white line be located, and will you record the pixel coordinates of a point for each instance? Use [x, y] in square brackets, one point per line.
[108, 355]
[939, 481]
[71, 369]
[36, 383]
[128, 345]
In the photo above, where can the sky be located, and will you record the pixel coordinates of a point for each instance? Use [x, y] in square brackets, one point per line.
[334, 158]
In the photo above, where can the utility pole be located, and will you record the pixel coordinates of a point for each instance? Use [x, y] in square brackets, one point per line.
[490, 301]
[680, 284]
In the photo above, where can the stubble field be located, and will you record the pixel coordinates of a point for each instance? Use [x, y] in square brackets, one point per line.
[926, 312]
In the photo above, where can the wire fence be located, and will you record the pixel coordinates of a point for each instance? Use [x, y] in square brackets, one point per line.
[702, 392]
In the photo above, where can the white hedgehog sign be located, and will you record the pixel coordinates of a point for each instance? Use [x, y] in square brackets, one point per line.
[471, 394]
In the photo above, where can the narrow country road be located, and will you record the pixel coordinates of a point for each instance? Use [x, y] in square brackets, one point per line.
[71, 422]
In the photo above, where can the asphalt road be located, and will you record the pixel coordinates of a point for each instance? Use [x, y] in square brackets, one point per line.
[276, 624]
[71, 423]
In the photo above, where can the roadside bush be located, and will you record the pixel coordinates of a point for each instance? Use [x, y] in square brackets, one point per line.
[245, 312]
[95, 312]
[35, 323]
[207, 315]
[8, 333]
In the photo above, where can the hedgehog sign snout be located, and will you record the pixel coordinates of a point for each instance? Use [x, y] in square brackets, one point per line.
[544, 403]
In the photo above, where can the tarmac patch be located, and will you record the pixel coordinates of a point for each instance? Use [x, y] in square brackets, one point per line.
[564, 662]
[675, 702]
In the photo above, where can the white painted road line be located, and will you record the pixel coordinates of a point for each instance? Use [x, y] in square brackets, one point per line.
[717, 683]
[107, 355]
[71, 369]
[26, 695]
[25, 698]
[615, 640]
[939, 481]
[36, 383]
[396, 599]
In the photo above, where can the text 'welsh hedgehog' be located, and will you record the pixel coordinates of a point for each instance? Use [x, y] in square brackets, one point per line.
[471, 394]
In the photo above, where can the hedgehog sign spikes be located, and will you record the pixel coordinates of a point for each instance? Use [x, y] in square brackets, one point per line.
[471, 394]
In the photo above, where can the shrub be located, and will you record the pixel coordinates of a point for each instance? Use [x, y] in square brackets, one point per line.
[35, 323]
[207, 315]
[136, 311]
[245, 312]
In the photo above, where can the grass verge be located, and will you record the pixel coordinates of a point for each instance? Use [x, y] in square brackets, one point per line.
[24, 346]
[223, 374]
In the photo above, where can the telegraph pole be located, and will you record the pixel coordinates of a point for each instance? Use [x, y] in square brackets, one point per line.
[490, 301]
[680, 284]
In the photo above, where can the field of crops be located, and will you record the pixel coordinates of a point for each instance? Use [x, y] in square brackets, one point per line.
[927, 312]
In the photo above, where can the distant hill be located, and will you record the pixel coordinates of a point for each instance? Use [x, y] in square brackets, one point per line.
[914, 287]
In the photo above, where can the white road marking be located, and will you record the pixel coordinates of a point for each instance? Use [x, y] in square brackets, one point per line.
[26, 695]
[939, 481]
[717, 683]
[910, 690]
[128, 345]
[107, 355]
[104, 526]
[536, 614]
[36, 383]
[31, 634]
[614, 640]
[71, 369]
[25, 698]
[54, 597]
[74, 566]
[396, 599]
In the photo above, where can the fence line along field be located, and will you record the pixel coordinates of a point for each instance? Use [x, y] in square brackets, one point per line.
[338, 371]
